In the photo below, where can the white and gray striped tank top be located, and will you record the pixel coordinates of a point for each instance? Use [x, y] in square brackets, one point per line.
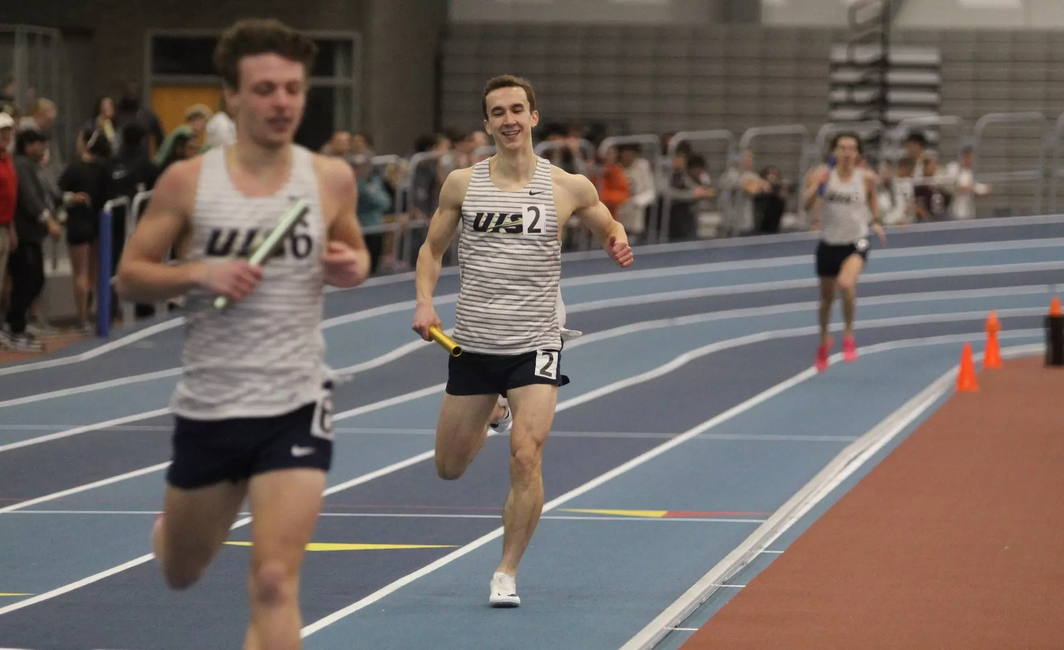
[264, 355]
[844, 211]
[509, 258]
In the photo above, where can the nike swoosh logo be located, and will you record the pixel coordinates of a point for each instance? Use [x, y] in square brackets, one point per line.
[299, 452]
[531, 193]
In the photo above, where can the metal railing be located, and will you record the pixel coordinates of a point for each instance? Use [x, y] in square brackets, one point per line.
[1049, 166]
[1044, 142]
[106, 268]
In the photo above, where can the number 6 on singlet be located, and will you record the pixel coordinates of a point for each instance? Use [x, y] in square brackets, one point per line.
[322, 426]
[547, 364]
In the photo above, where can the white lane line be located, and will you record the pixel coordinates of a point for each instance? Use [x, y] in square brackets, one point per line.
[1004, 222]
[761, 287]
[59, 435]
[800, 260]
[110, 346]
[430, 454]
[820, 486]
[611, 333]
[783, 238]
[421, 515]
[608, 476]
[88, 388]
[418, 344]
[84, 488]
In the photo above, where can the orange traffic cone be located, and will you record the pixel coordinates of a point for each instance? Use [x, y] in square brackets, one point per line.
[1054, 306]
[966, 381]
[992, 356]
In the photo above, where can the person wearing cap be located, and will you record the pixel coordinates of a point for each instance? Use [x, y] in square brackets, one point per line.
[8, 196]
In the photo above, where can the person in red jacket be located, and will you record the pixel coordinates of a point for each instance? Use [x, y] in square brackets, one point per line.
[8, 196]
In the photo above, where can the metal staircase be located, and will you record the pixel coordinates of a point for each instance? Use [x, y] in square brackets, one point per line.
[873, 80]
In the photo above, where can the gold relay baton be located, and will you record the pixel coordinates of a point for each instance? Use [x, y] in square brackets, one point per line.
[273, 241]
[447, 342]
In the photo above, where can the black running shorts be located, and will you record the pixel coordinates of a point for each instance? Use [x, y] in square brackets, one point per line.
[494, 374]
[829, 257]
[210, 452]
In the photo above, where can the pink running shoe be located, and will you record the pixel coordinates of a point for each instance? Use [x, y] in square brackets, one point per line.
[849, 349]
[822, 353]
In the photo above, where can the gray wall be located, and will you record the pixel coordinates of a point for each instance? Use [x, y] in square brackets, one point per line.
[923, 14]
[399, 39]
[664, 78]
[677, 12]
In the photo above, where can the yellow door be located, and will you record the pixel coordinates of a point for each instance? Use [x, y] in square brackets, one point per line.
[170, 102]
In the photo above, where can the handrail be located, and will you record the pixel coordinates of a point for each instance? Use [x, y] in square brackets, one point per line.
[1058, 134]
[782, 130]
[1038, 175]
[105, 251]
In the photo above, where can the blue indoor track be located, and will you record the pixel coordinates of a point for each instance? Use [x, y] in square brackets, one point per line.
[694, 414]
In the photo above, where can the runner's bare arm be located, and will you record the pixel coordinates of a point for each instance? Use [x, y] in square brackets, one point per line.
[442, 227]
[142, 276]
[589, 208]
[346, 258]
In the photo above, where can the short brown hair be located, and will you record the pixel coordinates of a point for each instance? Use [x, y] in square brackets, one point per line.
[253, 36]
[508, 81]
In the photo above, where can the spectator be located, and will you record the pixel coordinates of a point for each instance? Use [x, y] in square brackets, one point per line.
[690, 185]
[103, 121]
[895, 194]
[12, 111]
[770, 201]
[179, 145]
[915, 147]
[612, 183]
[424, 185]
[33, 222]
[128, 172]
[41, 117]
[84, 184]
[374, 202]
[221, 130]
[570, 157]
[130, 110]
[932, 198]
[747, 185]
[196, 118]
[8, 197]
[960, 178]
[339, 145]
[361, 143]
[643, 189]
[460, 155]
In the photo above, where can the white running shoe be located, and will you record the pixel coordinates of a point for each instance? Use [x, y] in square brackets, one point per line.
[503, 591]
[507, 420]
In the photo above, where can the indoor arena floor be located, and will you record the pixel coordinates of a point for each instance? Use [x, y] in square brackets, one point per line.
[693, 419]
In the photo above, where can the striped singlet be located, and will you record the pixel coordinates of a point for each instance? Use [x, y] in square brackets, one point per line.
[264, 355]
[509, 258]
[844, 211]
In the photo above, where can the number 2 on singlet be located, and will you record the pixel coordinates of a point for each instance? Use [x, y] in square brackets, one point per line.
[547, 364]
[532, 219]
